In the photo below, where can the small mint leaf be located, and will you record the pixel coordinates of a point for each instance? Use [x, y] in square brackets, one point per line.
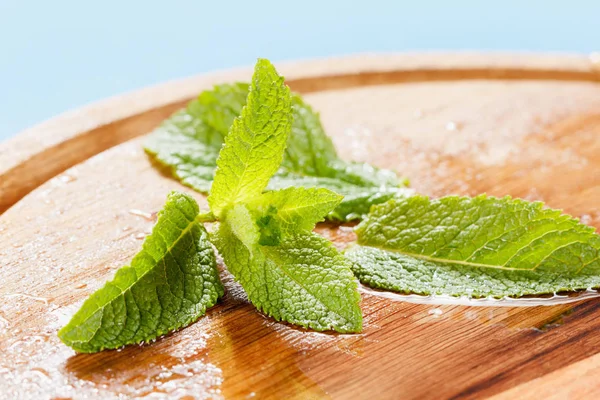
[269, 227]
[254, 147]
[357, 200]
[293, 209]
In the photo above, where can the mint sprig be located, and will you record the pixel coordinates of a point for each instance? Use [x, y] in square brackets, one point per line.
[265, 239]
[256, 141]
[272, 174]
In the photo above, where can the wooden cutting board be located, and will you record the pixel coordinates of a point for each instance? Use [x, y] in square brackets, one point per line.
[79, 195]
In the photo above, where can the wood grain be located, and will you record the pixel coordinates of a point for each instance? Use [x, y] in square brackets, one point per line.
[528, 126]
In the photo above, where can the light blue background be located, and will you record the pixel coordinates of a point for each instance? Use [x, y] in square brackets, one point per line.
[58, 55]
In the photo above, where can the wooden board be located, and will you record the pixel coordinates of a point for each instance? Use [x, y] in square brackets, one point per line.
[524, 125]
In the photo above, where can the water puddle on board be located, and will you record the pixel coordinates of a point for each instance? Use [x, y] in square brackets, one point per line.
[552, 300]
[539, 313]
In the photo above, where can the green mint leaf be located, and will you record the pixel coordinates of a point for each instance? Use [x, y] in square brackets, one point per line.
[241, 225]
[309, 150]
[254, 147]
[186, 145]
[170, 283]
[302, 280]
[223, 104]
[293, 209]
[357, 200]
[310, 158]
[477, 247]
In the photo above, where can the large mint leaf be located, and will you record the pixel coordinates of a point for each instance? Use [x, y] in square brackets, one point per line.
[477, 247]
[223, 104]
[254, 147]
[310, 159]
[186, 145]
[309, 150]
[302, 280]
[169, 284]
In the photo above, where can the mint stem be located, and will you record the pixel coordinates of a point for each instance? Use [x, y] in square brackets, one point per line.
[206, 217]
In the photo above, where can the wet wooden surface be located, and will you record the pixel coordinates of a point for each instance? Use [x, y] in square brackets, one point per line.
[454, 130]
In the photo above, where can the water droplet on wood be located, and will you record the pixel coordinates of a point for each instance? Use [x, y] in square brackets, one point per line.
[4, 323]
[551, 300]
[146, 215]
[435, 312]
[453, 126]
[140, 236]
[66, 178]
